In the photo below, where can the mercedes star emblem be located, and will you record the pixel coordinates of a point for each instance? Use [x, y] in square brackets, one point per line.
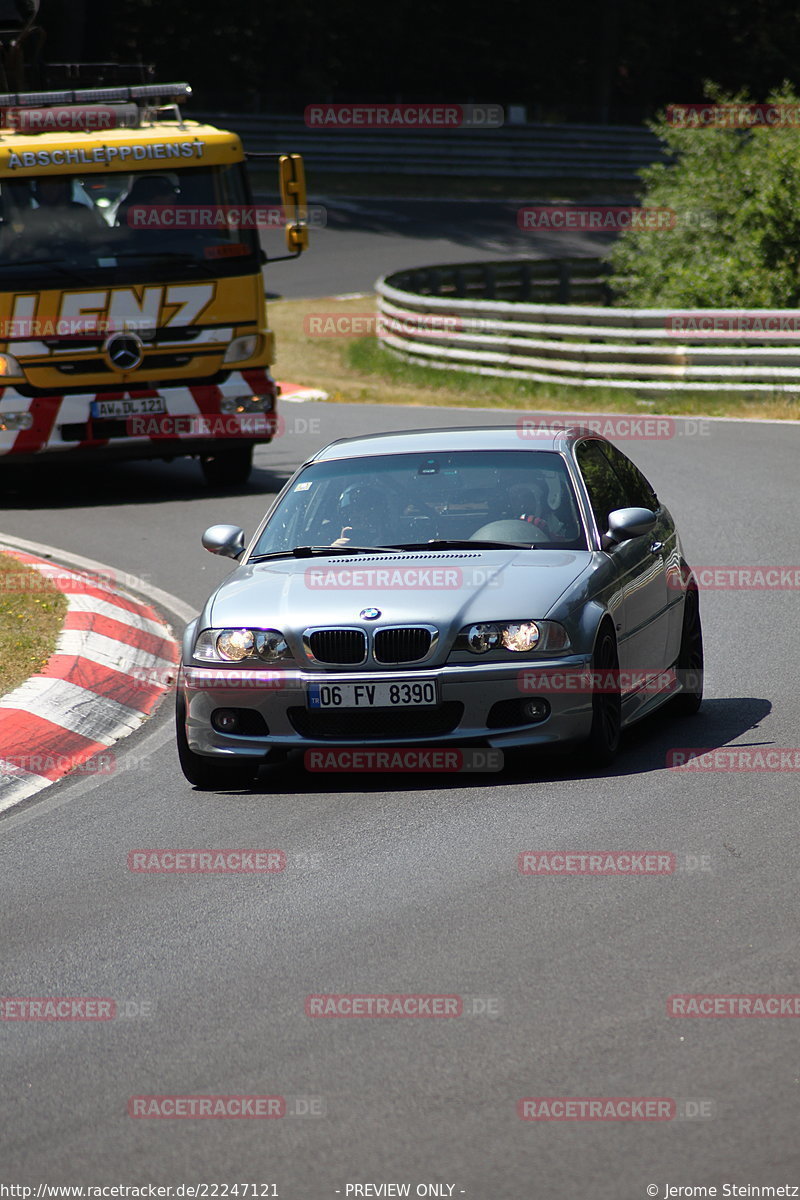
[124, 351]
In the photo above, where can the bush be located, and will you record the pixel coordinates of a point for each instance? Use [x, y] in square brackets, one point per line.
[736, 238]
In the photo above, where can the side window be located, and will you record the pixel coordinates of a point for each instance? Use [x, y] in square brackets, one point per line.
[605, 490]
[637, 489]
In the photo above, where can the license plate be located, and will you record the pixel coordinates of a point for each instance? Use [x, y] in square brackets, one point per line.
[372, 695]
[103, 410]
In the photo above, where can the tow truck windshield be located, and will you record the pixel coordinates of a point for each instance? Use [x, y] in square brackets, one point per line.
[145, 226]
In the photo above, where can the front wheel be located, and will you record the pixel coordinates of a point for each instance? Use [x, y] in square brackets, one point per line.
[227, 468]
[604, 737]
[690, 659]
[210, 774]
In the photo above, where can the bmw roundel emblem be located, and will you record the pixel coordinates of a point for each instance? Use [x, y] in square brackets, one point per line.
[370, 614]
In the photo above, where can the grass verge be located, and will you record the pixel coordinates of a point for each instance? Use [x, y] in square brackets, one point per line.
[31, 615]
[360, 370]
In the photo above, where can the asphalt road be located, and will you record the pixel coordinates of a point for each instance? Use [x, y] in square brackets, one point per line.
[365, 238]
[409, 884]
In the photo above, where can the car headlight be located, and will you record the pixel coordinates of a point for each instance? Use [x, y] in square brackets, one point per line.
[521, 636]
[10, 368]
[238, 645]
[12, 421]
[241, 347]
[272, 645]
[481, 638]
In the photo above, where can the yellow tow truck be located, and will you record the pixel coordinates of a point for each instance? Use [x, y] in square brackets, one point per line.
[132, 315]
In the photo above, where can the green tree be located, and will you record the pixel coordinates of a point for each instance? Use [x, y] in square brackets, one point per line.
[735, 194]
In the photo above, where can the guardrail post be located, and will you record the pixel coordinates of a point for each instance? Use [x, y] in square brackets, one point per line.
[564, 288]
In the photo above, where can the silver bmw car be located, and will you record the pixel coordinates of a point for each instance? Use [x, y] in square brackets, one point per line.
[483, 587]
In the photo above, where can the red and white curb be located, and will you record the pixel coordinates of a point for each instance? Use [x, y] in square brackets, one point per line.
[295, 393]
[114, 660]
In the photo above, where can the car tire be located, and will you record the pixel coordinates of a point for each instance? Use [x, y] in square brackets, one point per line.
[227, 468]
[602, 744]
[210, 774]
[689, 666]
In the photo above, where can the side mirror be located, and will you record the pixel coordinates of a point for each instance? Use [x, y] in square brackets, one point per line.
[227, 540]
[293, 197]
[627, 523]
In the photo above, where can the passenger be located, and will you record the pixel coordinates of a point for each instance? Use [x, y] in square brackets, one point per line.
[58, 219]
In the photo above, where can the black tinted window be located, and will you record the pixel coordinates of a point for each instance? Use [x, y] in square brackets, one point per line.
[605, 489]
[638, 491]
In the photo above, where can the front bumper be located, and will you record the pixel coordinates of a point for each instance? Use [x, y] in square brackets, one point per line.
[467, 694]
[192, 421]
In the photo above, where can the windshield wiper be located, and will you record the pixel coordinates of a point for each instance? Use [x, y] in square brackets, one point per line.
[311, 551]
[315, 551]
[55, 264]
[184, 254]
[466, 544]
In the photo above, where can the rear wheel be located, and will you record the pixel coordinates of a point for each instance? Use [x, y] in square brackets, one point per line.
[690, 659]
[603, 742]
[210, 774]
[229, 467]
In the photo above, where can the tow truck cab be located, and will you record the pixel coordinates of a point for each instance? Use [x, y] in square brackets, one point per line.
[132, 315]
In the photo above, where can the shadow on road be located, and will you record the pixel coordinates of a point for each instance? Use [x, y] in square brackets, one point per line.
[645, 749]
[98, 485]
[485, 225]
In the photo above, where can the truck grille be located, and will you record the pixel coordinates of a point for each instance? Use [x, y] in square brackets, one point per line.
[375, 724]
[99, 366]
[338, 646]
[401, 645]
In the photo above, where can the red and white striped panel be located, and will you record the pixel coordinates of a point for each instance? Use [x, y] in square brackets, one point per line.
[49, 413]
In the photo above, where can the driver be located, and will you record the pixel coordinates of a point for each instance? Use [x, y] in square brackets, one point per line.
[148, 191]
[529, 503]
[59, 218]
[364, 515]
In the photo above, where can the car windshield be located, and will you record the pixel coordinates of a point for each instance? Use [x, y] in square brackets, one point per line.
[506, 497]
[84, 224]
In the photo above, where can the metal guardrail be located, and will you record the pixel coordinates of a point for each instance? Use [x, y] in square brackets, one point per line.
[477, 317]
[601, 152]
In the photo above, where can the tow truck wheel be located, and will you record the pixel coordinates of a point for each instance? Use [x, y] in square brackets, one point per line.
[228, 467]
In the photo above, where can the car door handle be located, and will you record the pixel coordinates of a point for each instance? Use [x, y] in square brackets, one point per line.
[656, 546]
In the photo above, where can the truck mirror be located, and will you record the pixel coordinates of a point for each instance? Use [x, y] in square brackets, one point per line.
[293, 197]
